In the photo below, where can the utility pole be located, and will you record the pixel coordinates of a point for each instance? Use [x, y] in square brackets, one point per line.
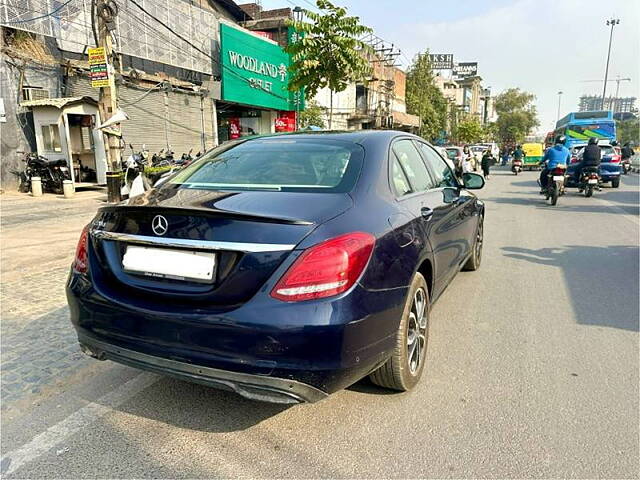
[613, 22]
[559, 100]
[104, 14]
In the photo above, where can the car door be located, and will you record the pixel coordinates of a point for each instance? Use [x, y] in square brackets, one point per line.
[429, 216]
[452, 234]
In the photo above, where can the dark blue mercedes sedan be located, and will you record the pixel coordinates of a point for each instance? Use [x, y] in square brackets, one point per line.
[284, 267]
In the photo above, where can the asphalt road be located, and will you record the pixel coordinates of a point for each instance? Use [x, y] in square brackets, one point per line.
[532, 371]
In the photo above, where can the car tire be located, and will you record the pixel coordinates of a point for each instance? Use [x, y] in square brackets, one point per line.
[615, 182]
[474, 261]
[403, 369]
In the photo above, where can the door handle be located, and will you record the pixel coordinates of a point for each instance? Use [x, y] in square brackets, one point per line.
[426, 213]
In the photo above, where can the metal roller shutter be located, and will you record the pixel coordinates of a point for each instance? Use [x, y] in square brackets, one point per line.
[146, 124]
[159, 119]
[185, 122]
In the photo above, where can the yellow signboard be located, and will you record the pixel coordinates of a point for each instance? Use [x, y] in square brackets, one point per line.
[99, 70]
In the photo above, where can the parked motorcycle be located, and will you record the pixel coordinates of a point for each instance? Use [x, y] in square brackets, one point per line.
[162, 158]
[555, 184]
[589, 181]
[516, 166]
[185, 158]
[51, 172]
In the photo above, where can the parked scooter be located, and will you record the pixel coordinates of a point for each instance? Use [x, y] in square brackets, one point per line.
[51, 172]
[516, 166]
[589, 181]
[135, 183]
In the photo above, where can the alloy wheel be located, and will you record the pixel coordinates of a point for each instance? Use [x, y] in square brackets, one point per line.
[417, 331]
[479, 240]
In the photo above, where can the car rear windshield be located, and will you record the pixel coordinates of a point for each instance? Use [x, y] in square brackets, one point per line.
[452, 153]
[607, 150]
[277, 164]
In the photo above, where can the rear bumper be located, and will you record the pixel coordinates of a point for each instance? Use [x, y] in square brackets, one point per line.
[254, 387]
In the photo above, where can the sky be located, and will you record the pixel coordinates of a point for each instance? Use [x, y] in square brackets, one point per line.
[541, 46]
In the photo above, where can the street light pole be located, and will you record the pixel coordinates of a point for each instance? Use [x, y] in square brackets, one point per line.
[559, 100]
[613, 22]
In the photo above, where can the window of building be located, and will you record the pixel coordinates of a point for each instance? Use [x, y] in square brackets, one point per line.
[51, 138]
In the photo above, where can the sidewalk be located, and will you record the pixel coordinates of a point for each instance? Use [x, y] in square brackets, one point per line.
[38, 240]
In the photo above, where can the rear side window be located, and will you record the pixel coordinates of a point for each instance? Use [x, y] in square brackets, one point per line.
[398, 179]
[278, 164]
[442, 174]
[412, 165]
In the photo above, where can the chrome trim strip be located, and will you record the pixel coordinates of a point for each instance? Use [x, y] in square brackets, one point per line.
[188, 243]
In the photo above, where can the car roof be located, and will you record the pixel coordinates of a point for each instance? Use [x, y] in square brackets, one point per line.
[355, 136]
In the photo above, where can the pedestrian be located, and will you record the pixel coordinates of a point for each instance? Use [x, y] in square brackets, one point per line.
[505, 155]
[467, 160]
[487, 159]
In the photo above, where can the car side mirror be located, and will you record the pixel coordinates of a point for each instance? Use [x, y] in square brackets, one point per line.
[472, 181]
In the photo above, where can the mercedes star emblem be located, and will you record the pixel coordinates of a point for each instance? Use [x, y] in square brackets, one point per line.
[159, 225]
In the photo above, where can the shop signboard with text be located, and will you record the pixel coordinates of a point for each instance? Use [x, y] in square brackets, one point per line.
[254, 70]
[465, 69]
[441, 61]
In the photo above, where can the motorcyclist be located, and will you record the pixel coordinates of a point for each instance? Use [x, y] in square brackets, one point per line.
[518, 154]
[627, 151]
[554, 156]
[590, 157]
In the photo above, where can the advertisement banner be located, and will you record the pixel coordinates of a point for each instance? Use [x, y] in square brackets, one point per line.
[466, 69]
[441, 61]
[286, 122]
[254, 70]
[99, 71]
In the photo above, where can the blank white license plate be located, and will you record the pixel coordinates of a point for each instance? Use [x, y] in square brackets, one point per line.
[593, 180]
[558, 178]
[169, 263]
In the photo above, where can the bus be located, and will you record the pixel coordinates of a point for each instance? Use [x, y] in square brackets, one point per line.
[579, 127]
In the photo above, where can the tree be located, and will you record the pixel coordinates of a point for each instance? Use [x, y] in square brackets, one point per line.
[327, 52]
[313, 114]
[424, 99]
[470, 131]
[517, 115]
[628, 131]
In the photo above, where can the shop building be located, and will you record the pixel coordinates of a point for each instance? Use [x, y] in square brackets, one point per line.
[255, 76]
[168, 88]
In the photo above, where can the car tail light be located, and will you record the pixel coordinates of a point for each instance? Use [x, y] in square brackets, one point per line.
[81, 262]
[615, 158]
[326, 269]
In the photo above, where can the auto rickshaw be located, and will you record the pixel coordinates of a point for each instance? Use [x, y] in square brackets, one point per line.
[534, 153]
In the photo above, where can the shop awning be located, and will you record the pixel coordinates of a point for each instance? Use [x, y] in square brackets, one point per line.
[405, 119]
[57, 102]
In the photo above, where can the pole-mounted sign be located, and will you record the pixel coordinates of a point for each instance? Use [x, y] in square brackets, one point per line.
[99, 70]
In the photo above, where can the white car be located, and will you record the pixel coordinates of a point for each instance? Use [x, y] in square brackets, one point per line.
[493, 146]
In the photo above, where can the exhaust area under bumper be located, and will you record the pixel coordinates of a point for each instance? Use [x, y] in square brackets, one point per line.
[253, 387]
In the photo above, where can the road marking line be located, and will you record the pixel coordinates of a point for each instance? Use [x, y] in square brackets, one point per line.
[56, 434]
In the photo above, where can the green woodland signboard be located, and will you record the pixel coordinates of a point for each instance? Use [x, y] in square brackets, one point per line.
[255, 71]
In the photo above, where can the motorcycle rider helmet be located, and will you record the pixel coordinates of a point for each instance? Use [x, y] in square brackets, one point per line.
[561, 139]
[593, 141]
